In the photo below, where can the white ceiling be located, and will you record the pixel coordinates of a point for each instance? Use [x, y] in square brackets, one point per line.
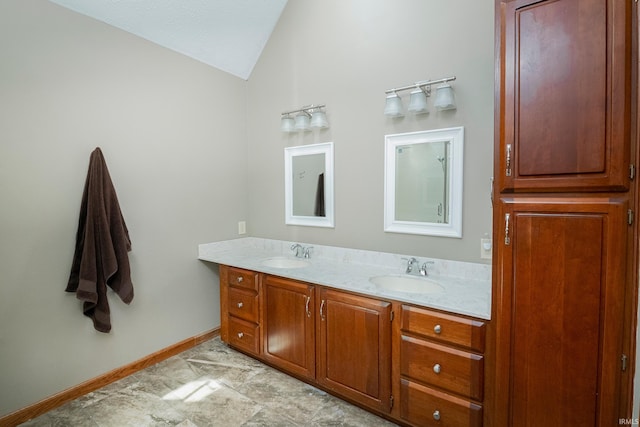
[226, 34]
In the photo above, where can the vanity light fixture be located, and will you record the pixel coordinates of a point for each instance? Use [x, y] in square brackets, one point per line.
[287, 124]
[444, 98]
[307, 117]
[418, 101]
[393, 106]
[302, 121]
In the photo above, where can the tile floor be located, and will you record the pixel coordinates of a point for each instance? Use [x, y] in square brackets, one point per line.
[208, 385]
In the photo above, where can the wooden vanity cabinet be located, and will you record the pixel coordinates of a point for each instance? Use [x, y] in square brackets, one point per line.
[566, 93]
[354, 348]
[441, 368]
[564, 98]
[239, 306]
[560, 312]
[362, 349]
[289, 325]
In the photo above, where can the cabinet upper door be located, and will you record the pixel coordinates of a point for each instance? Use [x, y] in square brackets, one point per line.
[564, 95]
[558, 310]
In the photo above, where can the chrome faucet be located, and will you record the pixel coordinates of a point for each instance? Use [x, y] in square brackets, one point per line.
[297, 247]
[421, 269]
[307, 252]
[410, 263]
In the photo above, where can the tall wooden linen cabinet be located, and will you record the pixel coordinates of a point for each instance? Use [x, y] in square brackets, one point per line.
[564, 285]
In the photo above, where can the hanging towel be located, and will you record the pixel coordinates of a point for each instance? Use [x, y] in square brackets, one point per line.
[102, 243]
[319, 209]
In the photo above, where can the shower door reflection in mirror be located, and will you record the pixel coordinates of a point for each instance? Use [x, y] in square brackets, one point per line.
[309, 185]
[423, 182]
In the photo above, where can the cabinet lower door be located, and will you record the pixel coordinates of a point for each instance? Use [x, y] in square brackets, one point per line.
[288, 321]
[354, 348]
[559, 310]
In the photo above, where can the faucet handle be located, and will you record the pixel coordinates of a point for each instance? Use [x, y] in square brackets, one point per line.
[425, 265]
[307, 252]
[410, 262]
[296, 247]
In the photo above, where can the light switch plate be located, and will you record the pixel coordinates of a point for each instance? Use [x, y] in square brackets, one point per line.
[485, 248]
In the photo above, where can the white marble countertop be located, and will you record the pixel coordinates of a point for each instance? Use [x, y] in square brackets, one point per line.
[467, 286]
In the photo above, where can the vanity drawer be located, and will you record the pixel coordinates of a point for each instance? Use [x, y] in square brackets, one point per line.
[242, 278]
[423, 406]
[444, 367]
[243, 303]
[244, 335]
[451, 329]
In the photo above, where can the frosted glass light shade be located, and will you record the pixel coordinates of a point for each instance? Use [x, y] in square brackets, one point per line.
[302, 121]
[418, 102]
[319, 120]
[393, 106]
[287, 124]
[445, 99]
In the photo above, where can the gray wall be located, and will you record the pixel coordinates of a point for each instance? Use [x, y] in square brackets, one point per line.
[346, 54]
[193, 150]
[172, 132]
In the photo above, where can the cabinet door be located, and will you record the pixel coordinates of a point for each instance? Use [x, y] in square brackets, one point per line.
[563, 95]
[354, 348]
[559, 310]
[288, 325]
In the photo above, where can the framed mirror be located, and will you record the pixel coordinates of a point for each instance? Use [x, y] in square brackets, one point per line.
[423, 182]
[308, 177]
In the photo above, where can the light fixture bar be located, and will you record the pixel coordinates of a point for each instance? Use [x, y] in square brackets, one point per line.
[305, 109]
[418, 85]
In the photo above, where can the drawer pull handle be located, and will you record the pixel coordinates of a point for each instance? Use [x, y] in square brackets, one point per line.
[240, 335]
[240, 305]
[436, 415]
[437, 329]
[306, 306]
[436, 368]
[507, 239]
[239, 279]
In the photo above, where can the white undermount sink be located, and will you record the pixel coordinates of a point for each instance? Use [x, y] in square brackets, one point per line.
[284, 262]
[404, 283]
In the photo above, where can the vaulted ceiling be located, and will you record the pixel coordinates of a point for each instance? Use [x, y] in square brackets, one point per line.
[226, 34]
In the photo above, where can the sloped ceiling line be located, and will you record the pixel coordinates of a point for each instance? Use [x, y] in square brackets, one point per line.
[226, 34]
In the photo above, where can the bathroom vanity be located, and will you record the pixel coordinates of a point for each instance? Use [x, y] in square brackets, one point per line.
[325, 323]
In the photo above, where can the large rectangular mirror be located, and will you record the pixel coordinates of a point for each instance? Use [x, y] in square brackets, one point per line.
[423, 182]
[308, 174]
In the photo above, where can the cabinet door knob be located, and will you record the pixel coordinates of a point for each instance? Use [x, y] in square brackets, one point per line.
[240, 335]
[240, 305]
[239, 279]
[437, 329]
[436, 368]
[436, 415]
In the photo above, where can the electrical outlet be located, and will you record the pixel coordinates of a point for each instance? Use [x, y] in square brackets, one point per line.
[485, 248]
[242, 227]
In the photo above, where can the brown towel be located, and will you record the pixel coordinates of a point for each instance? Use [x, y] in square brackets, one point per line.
[102, 243]
[319, 209]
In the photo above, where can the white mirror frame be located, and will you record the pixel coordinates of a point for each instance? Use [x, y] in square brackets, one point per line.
[325, 148]
[453, 228]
